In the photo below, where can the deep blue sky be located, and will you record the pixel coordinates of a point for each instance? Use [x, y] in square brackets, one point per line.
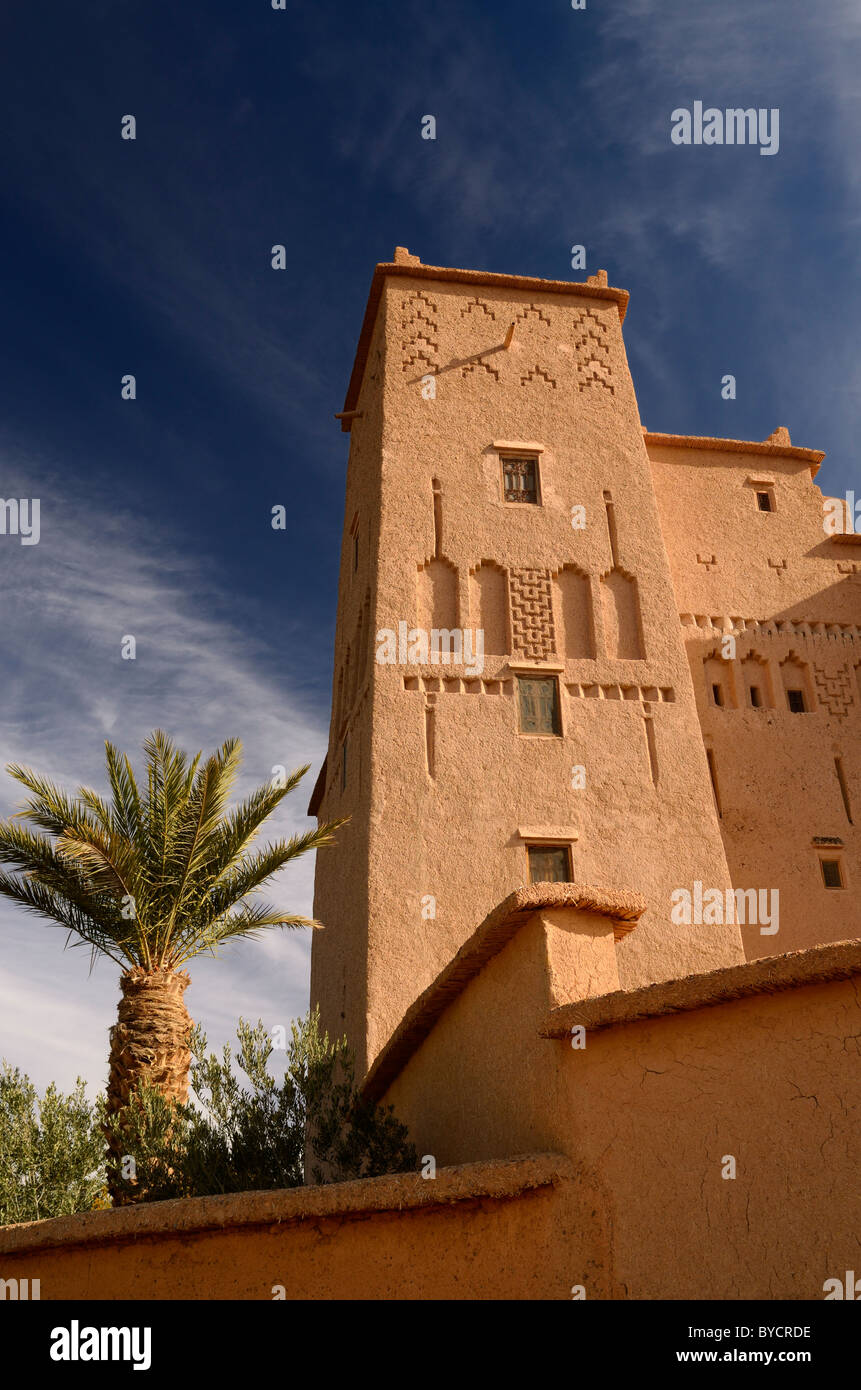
[302, 127]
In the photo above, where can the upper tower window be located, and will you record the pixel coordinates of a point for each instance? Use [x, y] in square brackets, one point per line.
[763, 492]
[520, 478]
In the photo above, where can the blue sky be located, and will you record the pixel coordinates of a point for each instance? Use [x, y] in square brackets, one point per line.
[302, 127]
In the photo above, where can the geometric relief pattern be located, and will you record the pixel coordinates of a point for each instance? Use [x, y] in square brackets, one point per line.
[475, 304]
[593, 352]
[532, 627]
[534, 309]
[480, 366]
[458, 685]
[820, 634]
[834, 691]
[643, 693]
[419, 346]
[537, 373]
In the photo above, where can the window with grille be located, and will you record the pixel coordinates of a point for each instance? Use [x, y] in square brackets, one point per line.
[796, 701]
[549, 864]
[832, 875]
[765, 501]
[539, 705]
[520, 479]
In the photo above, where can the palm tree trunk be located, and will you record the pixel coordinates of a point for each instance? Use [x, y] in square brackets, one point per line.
[149, 1045]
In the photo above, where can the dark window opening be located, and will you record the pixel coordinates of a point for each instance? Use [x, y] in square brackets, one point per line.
[796, 701]
[763, 501]
[832, 875]
[755, 697]
[717, 695]
[539, 706]
[520, 479]
[549, 864]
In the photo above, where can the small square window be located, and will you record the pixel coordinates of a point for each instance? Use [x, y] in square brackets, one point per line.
[520, 479]
[717, 695]
[796, 701]
[549, 863]
[755, 697]
[765, 501]
[832, 874]
[538, 701]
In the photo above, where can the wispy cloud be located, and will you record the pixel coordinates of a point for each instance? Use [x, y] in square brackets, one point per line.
[68, 602]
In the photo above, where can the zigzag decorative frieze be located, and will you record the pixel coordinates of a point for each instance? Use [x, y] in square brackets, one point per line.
[593, 352]
[594, 378]
[847, 634]
[527, 309]
[537, 372]
[480, 366]
[418, 320]
[473, 305]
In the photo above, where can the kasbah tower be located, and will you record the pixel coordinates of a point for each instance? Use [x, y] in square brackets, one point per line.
[500, 479]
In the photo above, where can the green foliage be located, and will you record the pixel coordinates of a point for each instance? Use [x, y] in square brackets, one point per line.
[52, 1150]
[234, 1138]
[153, 876]
[237, 1139]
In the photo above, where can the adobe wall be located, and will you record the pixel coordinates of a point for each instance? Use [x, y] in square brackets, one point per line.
[655, 1107]
[630, 1201]
[649, 1110]
[792, 598]
[484, 1084]
[339, 947]
[484, 1231]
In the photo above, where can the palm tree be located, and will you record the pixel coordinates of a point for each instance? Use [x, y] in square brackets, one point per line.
[151, 881]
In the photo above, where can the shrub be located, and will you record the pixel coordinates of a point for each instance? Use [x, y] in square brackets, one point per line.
[237, 1139]
[52, 1159]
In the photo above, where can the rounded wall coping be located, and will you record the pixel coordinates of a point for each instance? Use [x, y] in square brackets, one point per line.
[496, 1179]
[764, 975]
[767, 447]
[624, 909]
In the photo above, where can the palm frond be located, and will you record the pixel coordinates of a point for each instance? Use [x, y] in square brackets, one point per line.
[252, 870]
[50, 808]
[153, 877]
[240, 827]
[77, 919]
[248, 922]
[128, 810]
